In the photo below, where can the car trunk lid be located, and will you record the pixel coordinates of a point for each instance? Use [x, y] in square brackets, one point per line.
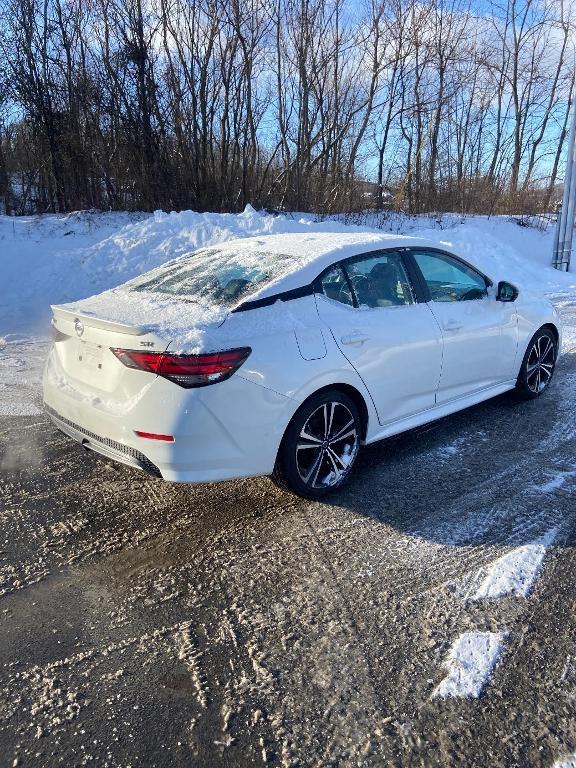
[83, 344]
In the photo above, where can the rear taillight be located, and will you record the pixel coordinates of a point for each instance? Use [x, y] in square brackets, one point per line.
[186, 370]
[155, 436]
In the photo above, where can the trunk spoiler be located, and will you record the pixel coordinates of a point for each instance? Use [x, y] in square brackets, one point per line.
[67, 315]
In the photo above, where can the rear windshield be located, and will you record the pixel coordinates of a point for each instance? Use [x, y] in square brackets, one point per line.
[214, 276]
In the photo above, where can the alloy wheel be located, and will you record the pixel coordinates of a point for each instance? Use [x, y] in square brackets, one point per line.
[540, 364]
[327, 445]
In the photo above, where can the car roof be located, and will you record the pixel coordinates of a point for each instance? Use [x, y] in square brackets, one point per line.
[314, 252]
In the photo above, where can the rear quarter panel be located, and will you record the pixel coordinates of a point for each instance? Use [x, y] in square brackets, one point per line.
[277, 361]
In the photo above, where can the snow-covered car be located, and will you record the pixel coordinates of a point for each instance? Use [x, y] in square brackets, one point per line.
[282, 355]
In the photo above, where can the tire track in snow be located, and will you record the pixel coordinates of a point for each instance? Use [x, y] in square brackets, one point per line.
[558, 479]
[466, 522]
[483, 513]
[189, 653]
[515, 573]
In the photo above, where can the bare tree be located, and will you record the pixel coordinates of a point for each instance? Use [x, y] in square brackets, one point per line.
[213, 104]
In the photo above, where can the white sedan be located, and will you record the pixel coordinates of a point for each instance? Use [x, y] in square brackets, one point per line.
[282, 355]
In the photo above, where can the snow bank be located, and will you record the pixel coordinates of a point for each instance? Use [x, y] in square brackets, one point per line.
[515, 572]
[41, 263]
[494, 244]
[56, 259]
[470, 662]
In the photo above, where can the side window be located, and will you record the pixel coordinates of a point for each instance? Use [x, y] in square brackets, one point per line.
[380, 280]
[336, 287]
[449, 279]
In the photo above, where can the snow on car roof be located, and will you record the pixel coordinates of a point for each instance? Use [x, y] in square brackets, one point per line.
[162, 314]
[313, 253]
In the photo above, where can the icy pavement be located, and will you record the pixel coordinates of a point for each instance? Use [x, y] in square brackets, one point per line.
[151, 624]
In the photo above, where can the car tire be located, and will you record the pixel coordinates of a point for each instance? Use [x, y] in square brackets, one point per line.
[538, 365]
[320, 446]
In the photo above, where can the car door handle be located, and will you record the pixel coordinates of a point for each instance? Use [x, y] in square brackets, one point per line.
[356, 337]
[451, 325]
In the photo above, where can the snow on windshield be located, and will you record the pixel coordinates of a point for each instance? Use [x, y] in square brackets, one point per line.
[215, 276]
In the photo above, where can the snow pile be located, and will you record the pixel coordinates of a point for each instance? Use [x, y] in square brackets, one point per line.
[494, 244]
[56, 259]
[515, 572]
[41, 263]
[161, 237]
[470, 662]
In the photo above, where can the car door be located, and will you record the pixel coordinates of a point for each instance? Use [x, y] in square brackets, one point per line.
[480, 333]
[393, 342]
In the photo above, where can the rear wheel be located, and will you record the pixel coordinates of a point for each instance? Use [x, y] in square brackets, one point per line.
[538, 364]
[320, 445]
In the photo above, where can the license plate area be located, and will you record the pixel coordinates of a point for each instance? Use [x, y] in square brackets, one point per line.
[90, 355]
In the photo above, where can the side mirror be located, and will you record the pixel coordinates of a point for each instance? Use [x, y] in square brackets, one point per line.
[506, 291]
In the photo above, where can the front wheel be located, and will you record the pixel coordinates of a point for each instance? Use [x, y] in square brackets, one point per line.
[538, 364]
[320, 445]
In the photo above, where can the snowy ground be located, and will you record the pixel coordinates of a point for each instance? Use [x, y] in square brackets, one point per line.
[424, 616]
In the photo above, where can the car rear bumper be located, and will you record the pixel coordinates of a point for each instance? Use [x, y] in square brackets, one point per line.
[224, 431]
[102, 445]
